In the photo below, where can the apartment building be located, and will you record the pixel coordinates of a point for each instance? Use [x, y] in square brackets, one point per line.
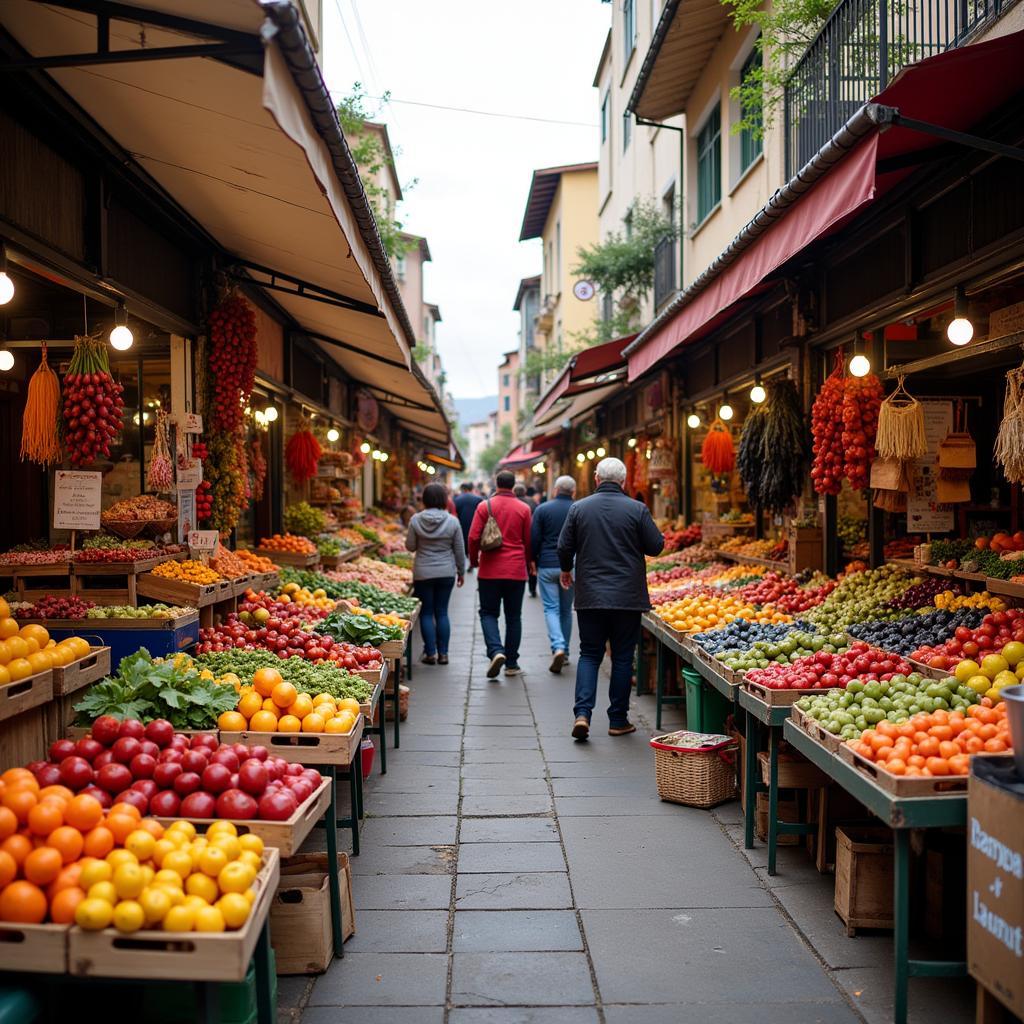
[409, 263]
[508, 394]
[561, 210]
[480, 436]
[527, 305]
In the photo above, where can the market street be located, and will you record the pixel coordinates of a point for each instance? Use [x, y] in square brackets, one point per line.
[506, 865]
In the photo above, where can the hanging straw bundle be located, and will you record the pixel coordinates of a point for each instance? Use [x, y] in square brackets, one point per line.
[717, 452]
[901, 427]
[1009, 447]
[40, 440]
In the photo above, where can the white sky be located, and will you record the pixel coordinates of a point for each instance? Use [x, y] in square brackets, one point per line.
[527, 57]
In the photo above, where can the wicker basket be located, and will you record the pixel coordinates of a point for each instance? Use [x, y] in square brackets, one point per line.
[695, 769]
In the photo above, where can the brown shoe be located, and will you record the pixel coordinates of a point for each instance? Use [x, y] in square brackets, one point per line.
[621, 730]
[581, 729]
[557, 661]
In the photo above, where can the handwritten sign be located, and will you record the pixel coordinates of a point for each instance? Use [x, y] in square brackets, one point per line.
[202, 542]
[186, 512]
[924, 513]
[191, 423]
[190, 476]
[76, 500]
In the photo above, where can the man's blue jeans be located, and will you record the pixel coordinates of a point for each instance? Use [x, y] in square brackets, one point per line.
[598, 628]
[557, 608]
[493, 594]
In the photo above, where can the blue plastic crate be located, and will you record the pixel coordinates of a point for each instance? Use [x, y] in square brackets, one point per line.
[160, 642]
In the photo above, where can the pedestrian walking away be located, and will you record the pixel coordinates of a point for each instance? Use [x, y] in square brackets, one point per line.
[608, 535]
[548, 521]
[520, 492]
[465, 506]
[502, 572]
[440, 564]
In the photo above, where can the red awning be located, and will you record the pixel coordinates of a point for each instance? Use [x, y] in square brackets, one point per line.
[591, 368]
[956, 90]
[528, 454]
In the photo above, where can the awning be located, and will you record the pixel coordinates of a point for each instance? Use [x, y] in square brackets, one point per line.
[591, 368]
[571, 410]
[249, 148]
[453, 460]
[956, 89]
[530, 453]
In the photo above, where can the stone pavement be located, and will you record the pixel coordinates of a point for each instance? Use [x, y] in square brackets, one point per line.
[510, 875]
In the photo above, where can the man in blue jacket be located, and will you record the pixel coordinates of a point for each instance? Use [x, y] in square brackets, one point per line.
[465, 508]
[547, 525]
[608, 535]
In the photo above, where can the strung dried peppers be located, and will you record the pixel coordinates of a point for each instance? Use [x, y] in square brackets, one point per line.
[40, 440]
[302, 455]
[717, 452]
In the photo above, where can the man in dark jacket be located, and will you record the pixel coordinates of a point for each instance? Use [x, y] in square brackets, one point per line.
[547, 525]
[465, 507]
[520, 492]
[608, 534]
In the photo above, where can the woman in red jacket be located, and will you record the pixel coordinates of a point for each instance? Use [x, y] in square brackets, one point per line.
[502, 573]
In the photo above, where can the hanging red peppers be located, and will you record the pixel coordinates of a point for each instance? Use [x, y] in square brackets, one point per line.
[232, 362]
[717, 452]
[92, 403]
[827, 432]
[861, 403]
[302, 455]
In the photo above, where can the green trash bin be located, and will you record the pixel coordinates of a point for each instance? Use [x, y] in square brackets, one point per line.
[706, 708]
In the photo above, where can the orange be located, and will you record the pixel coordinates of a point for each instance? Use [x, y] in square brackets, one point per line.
[5, 609]
[232, 721]
[349, 704]
[8, 822]
[19, 668]
[8, 868]
[283, 695]
[40, 661]
[337, 725]
[302, 705]
[347, 718]
[20, 801]
[67, 841]
[45, 817]
[84, 812]
[64, 904]
[5, 654]
[130, 809]
[37, 632]
[289, 723]
[23, 902]
[67, 877]
[62, 792]
[313, 723]
[250, 704]
[264, 681]
[121, 826]
[153, 827]
[43, 865]
[263, 721]
[18, 846]
[8, 628]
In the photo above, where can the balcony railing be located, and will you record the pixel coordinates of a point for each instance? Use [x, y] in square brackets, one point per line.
[664, 271]
[859, 49]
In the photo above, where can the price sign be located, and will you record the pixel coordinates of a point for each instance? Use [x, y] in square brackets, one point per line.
[76, 500]
[192, 423]
[202, 542]
[190, 476]
[924, 513]
[186, 512]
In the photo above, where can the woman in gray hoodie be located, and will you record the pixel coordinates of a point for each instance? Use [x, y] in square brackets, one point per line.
[436, 537]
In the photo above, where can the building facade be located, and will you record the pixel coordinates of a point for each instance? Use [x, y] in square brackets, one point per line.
[527, 305]
[508, 394]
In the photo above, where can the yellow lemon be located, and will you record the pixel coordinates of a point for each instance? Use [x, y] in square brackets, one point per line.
[251, 858]
[212, 860]
[235, 908]
[184, 826]
[160, 848]
[95, 871]
[102, 891]
[210, 919]
[202, 885]
[129, 916]
[129, 881]
[180, 862]
[220, 828]
[93, 915]
[180, 919]
[118, 857]
[165, 876]
[236, 877]
[155, 902]
[141, 843]
[251, 842]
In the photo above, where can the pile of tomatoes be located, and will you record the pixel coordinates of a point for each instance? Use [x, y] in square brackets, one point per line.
[996, 630]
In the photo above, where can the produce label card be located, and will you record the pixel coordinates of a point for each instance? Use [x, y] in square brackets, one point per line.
[190, 476]
[186, 512]
[76, 500]
[192, 423]
[202, 542]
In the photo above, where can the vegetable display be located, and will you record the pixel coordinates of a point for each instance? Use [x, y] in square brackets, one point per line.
[302, 455]
[289, 543]
[40, 440]
[358, 629]
[773, 449]
[826, 432]
[321, 677]
[862, 399]
[717, 452]
[49, 607]
[232, 363]
[303, 519]
[92, 402]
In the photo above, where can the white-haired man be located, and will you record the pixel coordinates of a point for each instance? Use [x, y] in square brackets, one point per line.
[547, 525]
[608, 535]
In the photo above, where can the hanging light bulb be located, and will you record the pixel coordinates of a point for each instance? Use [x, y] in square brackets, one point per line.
[591, 454]
[693, 421]
[365, 448]
[725, 411]
[602, 452]
[121, 336]
[757, 392]
[6, 359]
[631, 443]
[270, 413]
[860, 365]
[333, 434]
[580, 457]
[6, 284]
[960, 329]
[384, 458]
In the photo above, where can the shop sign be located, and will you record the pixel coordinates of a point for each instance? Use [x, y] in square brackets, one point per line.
[190, 476]
[924, 513]
[584, 290]
[192, 423]
[186, 512]
[76, 500]
[1007, 320]
[202, 542]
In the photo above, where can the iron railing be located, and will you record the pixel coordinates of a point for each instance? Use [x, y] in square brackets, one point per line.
[664, 271]
[859, 49]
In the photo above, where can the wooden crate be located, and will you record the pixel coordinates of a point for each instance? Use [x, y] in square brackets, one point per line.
[372, 675]
[285, 836]
[178, 592]
[393, 648]
[24, 738]
[170, 956]
[794, 771]
[864, 877]
[369, 707]
[780, 698]
[25, 694]
[928, 671]
[834, 807]
[901, 785]
[305, 747]
[34, 948]
[289, 558]
[32, 582]
[816, 731]
[93, 667]
[300, 916]
[213, 614]
[789, 812]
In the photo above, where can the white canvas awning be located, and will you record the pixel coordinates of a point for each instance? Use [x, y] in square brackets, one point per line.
[247, 144]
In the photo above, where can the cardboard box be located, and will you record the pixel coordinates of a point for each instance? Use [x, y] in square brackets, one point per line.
[300, 916]
[995, 879]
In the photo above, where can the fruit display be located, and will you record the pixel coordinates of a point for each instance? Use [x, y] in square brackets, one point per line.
[936, 743]
[742, 635]
[270, 704]
[384, 618]
[989, 563]
[309, 677]
[328, 547]
[907, 634]
[359, 629]
[93, 407]
[792, 646]
[1000, 543]
[56, 608]
[303, 519]
[37, 556]
[697, 613]
[993, 672]
[995, 631]
[370, 570]
[835, 668]
[848, 712]
[292, 602]
[227, 471]
[232, 363]
[948, 600]
[204, 501]
[255, 563]
[29, 649]
[142, 509]
[860, 596]
[367, 595]
[146, 611]
[923, 594]
[228, 564]
[677, 539]
[690, 589]
[288, 543]
[147, 688]
[188, 571]
[302, 455]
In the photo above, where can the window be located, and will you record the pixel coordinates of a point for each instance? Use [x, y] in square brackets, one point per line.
[628, 29]
[558, 255]
[505, 380]
[508, 403]
[627, 129]
[751, 142]
[605, 111]
[400, 267]
[709, 164]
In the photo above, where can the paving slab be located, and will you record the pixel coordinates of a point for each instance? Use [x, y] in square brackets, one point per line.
[495, 931]
[512, 891]
[509, 830]
[374, 1015]
[761, 1013]
[870, 990]
[499, 742]
[532, 769]
[488, 858]
[405, 892]
[405, 860]
[499, 755]
[552, 979]
[399, 931]
[383, 979]
[505, 787]
[431, 742]
[517, 803]
[618, 806]
[434, 830]
[432, 801]
[523, 1015]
